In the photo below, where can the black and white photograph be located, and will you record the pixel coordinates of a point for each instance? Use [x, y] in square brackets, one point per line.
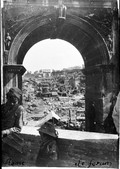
[60, 83]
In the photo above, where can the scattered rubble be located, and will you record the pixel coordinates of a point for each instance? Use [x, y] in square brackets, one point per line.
[68, 107]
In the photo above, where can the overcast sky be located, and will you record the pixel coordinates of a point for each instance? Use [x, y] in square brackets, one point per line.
[52, 54]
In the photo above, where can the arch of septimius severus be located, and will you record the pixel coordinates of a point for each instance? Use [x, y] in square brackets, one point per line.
[90, 26]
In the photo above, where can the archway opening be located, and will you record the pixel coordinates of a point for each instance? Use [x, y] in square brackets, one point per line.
[89, 43]
[54, 83]
[55, 54]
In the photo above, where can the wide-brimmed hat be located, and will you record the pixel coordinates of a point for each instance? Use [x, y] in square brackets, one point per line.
[14, 91]
[48, 128]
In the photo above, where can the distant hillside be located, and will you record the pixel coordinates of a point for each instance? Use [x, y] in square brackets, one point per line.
[72, 68]
[76, 70]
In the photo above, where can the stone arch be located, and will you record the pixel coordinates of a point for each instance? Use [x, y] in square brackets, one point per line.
[81, 34]
[45, 25]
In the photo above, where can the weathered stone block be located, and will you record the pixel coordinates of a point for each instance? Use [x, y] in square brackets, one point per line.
[77, 149]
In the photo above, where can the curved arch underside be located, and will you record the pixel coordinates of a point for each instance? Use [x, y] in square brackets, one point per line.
[75, 30]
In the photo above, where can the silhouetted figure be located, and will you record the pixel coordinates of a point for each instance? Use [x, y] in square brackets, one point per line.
[12, 121]
[116, 118]
[7, 41]
[48, 152]
[116, 114]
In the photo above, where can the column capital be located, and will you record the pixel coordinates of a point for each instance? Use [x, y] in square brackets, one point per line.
[99, 68]
[18, 69]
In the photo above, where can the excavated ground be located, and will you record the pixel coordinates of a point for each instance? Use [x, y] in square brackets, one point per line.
[67, 108]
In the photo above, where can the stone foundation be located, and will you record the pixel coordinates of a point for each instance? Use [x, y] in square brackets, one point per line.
[76, 148]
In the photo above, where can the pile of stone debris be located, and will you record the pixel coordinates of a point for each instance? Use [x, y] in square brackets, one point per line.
[70, 110]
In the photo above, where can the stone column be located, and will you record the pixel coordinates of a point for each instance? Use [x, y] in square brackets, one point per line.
[93, 95]
[115, 58]
[12, 77]
[2, 50]
[98, 84]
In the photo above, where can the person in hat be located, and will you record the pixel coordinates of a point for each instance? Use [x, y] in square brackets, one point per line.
[12, 118]
[116, 114]
[12, 112]
[48, 152]
[116, 118]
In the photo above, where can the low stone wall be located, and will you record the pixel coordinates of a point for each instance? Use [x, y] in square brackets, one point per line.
[76, 148]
